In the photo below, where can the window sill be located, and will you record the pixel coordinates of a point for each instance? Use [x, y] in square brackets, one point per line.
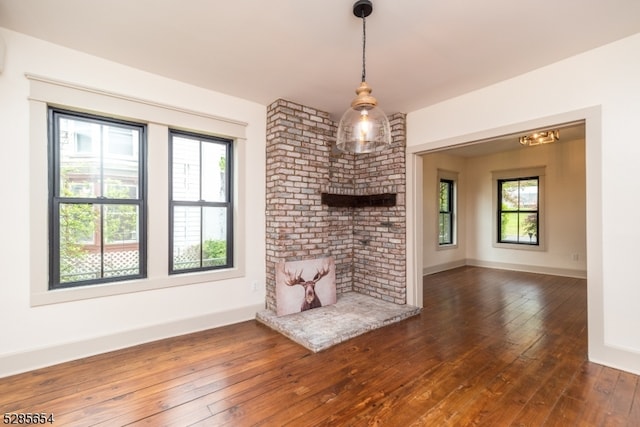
[521, 247]
[447, 247]
[126, 287]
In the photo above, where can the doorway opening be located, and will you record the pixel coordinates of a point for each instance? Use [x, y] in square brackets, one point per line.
[506, 204]
[591, 119]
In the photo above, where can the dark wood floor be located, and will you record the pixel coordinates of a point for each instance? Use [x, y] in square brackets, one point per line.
[491, 348]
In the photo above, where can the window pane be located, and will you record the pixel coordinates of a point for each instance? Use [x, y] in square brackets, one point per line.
[445, 229]
[120, 189]
[79, 154]
[120, 162]
[121, 224]
[214, 237]
[121, 142]
[186, 237]
[510, 190]
[80, 245]
[214, 161]
[529, 194]
[77, 245]
[122, 262]
[509, 227]
[528, 228]
[186, 169]
[77, 223]
[122, 248]
[444, 196]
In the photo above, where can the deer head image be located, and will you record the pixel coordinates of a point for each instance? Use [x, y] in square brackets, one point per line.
[311, 300]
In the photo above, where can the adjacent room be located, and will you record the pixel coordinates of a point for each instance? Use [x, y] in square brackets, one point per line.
[547, 235]
[330, 213]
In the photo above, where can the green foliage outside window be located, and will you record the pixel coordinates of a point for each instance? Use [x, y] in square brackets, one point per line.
[122, 220]
[80, 221]
[214, 253]
[519, 210]
[77, 225]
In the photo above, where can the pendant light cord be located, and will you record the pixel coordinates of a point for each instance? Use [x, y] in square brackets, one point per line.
[364, 45]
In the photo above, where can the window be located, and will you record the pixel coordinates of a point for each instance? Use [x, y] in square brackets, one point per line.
[201, 211]
[445, 216]
[96, 200]
[131, 216]
[518, 210]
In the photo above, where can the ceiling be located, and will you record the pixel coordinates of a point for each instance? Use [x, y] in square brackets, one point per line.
[419, 52]
[567, 131]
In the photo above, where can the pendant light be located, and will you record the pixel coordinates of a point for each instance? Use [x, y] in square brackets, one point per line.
[364, 127]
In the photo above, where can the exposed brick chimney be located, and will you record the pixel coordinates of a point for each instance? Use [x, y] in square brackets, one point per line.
[367, 243]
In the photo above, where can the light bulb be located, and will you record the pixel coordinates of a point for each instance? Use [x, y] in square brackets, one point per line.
[364, 126]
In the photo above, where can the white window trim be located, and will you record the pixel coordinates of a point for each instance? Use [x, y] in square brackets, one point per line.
[44, 92]
[538, 171]
[452, 176]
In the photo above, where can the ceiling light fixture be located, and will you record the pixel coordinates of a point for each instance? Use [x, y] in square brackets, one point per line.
[540, 138]
[364, 127]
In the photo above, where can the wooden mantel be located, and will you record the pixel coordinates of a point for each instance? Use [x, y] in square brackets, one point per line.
[358, 200]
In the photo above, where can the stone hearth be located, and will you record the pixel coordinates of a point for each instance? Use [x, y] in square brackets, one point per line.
[354, 314]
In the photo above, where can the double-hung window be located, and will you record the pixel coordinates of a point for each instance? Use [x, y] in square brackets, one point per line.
[445, 215]
[519, 210]
[103, 222]
[96, 199]
[201, 209]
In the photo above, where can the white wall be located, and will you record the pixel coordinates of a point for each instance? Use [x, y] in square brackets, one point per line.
[563, 202]
[32, 336]
[601, 86]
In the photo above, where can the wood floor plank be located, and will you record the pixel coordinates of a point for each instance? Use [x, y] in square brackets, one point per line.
[440, 382]
[597, 412]
[491, 347]
[311, 390]
[536, 411]
[565, 412]
[623, 394]
[162, 397]
[634, 413]
[184, 354]
[190, 365]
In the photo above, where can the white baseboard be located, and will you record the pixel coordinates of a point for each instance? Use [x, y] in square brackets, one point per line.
[566, 272]
[443, 267]
[19, 362]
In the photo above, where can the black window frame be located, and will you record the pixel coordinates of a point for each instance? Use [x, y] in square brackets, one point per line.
[536, 212]
[446, 213]
[55, 199]
[228, 203]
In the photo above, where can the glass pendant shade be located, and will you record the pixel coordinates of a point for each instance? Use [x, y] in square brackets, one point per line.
[364, 128]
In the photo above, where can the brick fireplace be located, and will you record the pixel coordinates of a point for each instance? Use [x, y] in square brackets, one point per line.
[325, 203]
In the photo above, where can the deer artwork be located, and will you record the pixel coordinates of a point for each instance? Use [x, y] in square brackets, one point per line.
[311, 300]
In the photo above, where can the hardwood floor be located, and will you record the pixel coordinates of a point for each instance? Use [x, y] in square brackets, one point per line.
[490, 348]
